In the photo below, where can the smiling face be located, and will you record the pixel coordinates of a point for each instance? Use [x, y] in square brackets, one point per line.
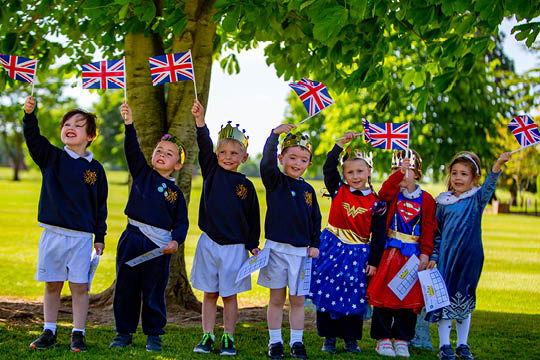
[166, 158]
[295, 160]
[462, 178]
[356, 173]
[230, 154]
[74, 132]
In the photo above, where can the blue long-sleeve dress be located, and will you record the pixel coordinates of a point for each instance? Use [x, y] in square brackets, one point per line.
[458, 248]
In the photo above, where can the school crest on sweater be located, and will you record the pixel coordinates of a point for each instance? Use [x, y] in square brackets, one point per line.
[241, 191]
[90, 177]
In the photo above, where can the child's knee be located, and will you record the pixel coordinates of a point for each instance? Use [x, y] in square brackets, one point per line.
[210, 297]
[54, 287]
[297, 301]
[78, 289]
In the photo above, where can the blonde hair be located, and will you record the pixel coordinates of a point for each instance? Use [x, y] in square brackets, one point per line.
[230, 141]
[469, 159]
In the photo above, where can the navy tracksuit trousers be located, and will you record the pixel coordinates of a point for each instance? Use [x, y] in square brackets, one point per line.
[144, 283]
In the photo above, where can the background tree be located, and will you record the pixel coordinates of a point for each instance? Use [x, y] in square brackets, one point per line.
[52, 104]
[346, 44]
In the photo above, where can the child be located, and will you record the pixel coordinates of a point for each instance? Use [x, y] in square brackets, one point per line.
[230, 221]
[348, 256]
[292, 229]
[458, 250]
[157, 217]
[72, 207]
[411, 225]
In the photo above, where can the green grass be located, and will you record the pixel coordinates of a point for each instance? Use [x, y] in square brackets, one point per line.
[494, 335]
[505, 324]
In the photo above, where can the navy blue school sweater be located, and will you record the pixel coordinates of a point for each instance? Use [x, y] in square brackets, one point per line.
[73, 191]
[292, 216]
[229, 210]
[153, 199]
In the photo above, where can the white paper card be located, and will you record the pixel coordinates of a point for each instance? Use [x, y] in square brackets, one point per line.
[433, 289]
[304, 277]
[146, 256]
[253, 264]
[94, 261]
[404, 280]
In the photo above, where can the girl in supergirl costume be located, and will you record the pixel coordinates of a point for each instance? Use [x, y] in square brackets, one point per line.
[351, 245]
[411, 226]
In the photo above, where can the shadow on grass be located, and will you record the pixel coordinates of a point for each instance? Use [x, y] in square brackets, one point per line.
[493, 336]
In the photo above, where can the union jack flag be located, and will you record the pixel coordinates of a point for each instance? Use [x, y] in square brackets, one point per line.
[387, 135]
[104, 74]
[171, 68]
[525, 130]
[313, 94]
[19, 68]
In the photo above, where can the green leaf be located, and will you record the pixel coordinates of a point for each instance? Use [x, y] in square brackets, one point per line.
[408, 78]
[123, 11]
[329, 22]
[305, 4]
[230, 21]
[8, 45]
[444, 82]
[383, 103]
[467, 63]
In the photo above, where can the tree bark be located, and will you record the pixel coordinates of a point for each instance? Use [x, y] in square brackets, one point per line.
[153, 117]
[198, 36]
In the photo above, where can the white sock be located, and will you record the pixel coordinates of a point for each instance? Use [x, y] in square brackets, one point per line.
[74, 329]
[275, 336]
[296, 336]
[462, 327]
[445, 326]
[50, 326]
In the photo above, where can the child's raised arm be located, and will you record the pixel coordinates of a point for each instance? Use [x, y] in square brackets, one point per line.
[29, 105]
[284, 129]
[198, 111]
[500, 161]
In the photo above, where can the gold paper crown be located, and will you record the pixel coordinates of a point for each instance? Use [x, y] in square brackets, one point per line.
[229, 132]
[297, 140]
[351, 153]
[399, 155]
[181, 150]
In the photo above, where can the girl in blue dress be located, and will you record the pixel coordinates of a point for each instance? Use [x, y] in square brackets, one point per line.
[458, 251]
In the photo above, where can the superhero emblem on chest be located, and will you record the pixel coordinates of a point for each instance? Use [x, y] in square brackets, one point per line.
[408, 210]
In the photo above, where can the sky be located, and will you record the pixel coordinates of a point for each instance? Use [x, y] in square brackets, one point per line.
[256, 98]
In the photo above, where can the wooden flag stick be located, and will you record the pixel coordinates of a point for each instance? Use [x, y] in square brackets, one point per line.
[125, 85]
[194, 82]
[408, 145]
[355, 134]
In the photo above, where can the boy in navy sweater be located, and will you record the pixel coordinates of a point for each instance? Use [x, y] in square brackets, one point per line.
[292, 230]
[157, 217]
[72, 210]
[229, 219]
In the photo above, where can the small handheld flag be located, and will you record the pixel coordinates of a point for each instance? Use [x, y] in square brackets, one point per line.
[313, 94]
[525, 130]
[171, 68]
[387, 135]
[19, 68]
[105, 74]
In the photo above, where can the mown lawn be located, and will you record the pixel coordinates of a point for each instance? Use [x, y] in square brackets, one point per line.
[504, 326]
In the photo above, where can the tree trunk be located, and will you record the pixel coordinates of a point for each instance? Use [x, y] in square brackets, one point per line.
[199, 37]
[153, 118]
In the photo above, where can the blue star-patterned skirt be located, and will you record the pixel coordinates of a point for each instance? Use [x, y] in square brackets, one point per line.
[338, 282]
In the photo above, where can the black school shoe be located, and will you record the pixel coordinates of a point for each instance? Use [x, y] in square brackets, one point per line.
[154, 343]
[329, 345]
[275, 351]
[298, 351]
[351, 346]
[45, 341]
[78, 343]
[121, 340]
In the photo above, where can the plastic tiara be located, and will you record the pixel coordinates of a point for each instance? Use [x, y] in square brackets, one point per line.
[297, 140]
[230, 132]
[469, 157]
[351, 153]
[399, 155]
[182, 152]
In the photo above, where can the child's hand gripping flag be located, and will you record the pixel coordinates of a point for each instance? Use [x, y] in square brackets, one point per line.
[525, 130]
[313, 94]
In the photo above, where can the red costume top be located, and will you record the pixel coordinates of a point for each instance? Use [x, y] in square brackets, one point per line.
[378, 293]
